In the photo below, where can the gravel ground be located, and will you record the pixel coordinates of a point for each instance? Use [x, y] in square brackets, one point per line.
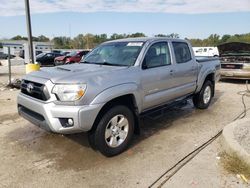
[211, 172]
[16, 72]
[31, 157]
[16, 61]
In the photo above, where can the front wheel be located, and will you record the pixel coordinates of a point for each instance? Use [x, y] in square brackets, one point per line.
[114, 131]
[202, 99]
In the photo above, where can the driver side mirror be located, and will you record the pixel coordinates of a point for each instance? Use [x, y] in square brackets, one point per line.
[144, 64]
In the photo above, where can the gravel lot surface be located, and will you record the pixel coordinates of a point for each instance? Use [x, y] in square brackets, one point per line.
[31, 157]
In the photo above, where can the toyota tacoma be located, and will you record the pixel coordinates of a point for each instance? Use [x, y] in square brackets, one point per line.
[108, 91]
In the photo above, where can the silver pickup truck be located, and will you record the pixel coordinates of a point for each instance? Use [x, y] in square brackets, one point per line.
[106, 93]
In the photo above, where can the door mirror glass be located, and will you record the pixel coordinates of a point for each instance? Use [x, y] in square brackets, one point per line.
[144, 64]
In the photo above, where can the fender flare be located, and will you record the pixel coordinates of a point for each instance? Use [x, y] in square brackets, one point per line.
[203, 78]
[118, 91]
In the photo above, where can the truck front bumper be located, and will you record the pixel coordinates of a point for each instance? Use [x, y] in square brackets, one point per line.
[49, 116]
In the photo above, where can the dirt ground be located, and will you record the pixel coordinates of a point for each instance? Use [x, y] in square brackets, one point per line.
[31, 157]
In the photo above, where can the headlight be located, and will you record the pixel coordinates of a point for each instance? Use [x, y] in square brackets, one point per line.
[69, 92]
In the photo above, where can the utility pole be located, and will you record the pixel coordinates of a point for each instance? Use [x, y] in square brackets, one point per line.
[28, 22]
[9, 65]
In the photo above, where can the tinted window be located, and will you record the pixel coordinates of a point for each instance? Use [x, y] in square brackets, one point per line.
[157, 55]
[73, 53]
[85, 52]
[49, 55]
[40, 55]
[182, 52]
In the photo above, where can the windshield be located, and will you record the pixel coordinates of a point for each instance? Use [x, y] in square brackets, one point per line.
[73, 53]
[40, 55]
[115, 53]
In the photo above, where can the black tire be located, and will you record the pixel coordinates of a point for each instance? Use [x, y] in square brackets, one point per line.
[198, 99]
[97, 139]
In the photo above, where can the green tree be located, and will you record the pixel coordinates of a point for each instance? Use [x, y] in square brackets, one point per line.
[40, 38]
[78, 42]
[117, 36]
[43, 38]
[225, 38]
[160, 35]
[134, 35]
[173, 35]
[18, 37]
[89, 40]
[62, 42]
[213, 40]
[196, 42]
[100, 38]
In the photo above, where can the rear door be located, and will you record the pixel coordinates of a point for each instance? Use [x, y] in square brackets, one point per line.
[185, 69]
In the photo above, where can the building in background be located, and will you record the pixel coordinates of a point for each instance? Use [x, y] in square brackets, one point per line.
[18, 45]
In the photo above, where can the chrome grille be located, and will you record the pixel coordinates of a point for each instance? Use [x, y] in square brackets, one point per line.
[36, 90]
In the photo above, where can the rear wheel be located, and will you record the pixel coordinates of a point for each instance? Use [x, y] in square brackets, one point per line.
[202, 99]
[114, 131]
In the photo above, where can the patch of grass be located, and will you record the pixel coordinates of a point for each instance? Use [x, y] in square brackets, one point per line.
[234, 165]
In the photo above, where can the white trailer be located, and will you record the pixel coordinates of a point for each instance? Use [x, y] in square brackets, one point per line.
[206, 51]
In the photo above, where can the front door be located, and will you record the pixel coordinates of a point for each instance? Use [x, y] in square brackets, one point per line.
[157, 76]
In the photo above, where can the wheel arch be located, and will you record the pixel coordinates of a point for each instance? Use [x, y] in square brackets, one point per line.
[209, 76]
[128, 100]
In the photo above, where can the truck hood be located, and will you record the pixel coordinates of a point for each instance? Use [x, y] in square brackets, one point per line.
[234, 49]
[77, 73]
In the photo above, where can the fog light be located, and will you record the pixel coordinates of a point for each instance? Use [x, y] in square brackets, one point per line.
[70, 122]
[66, 122]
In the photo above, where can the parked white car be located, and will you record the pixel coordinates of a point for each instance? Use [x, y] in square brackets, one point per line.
[206, 51]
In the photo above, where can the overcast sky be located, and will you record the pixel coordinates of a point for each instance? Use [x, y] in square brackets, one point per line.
[189, 18]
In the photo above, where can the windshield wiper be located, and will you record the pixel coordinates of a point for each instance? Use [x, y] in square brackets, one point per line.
[110, 64]
[87, 62]
[60, 68]
[102, 63]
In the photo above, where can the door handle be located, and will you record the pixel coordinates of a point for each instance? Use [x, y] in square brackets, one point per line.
[171, 72]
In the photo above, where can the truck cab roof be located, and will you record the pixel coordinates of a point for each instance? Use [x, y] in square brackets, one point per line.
[146, 39]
